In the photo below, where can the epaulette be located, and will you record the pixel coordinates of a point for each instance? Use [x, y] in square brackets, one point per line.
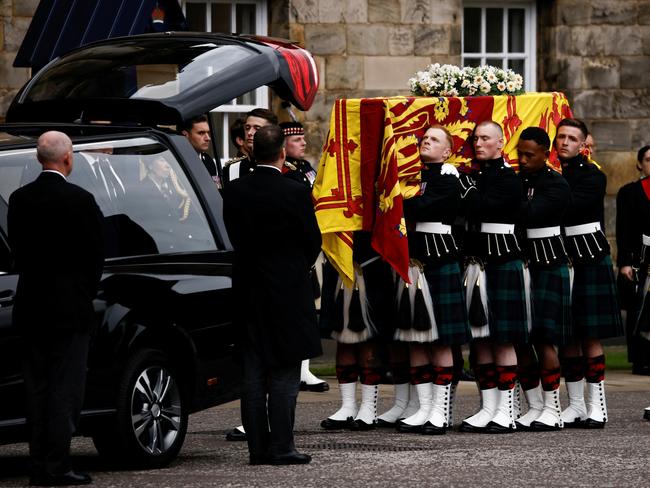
[291, 166]
[233, 160]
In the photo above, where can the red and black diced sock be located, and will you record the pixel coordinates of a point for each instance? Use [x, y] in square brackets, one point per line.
[421, 374]
[347, 374]
[550, 379]
[572, 368]
[401, 373]
[370, 376]
[506, 377]
[486, 376]
[595, 369]
[443, 375]
[528, 376]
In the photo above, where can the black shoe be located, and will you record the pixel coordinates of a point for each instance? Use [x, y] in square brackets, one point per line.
[494, 428]
[465, 427]
[536, 426]
[522, 427]
[592, 424]
[385, 425]
[316, 387]
[258, 460]
[429, 429]
[291, 458]
[576, 424]
[407, 428]
[646, 414]
[331, 424]
[236, 435]
[359, 424]
[66, 479]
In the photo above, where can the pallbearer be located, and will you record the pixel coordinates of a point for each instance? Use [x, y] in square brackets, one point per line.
[499, 309]
[545, 199]
[595, 311]
[432, 314]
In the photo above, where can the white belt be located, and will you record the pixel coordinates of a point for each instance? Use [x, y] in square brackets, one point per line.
[646, 240]
[541, 232]
[488, 228]
[433, 227]
[576, 230]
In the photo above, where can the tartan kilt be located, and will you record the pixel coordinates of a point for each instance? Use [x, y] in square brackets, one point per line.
[595, 310]
[551, 294]
[506, 292]
[448, 296]
[643, 308]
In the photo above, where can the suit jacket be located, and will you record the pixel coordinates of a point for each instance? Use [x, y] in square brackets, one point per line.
[55, 234]
[271, 223]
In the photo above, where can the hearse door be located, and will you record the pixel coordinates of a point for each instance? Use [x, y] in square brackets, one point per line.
[12, 395]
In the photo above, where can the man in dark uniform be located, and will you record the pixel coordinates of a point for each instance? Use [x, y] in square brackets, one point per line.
[244, 164]
[197, 131]
[55, 233]
[496, 291]
[273, 228]
[595, 311]
[546, 196]
[299, 169]
[630, 225]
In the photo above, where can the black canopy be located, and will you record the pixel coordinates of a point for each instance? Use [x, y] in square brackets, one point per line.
[58, 26]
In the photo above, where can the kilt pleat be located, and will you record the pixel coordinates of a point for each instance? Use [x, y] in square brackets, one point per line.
[506, 291]
[595, 310]
[551, 292]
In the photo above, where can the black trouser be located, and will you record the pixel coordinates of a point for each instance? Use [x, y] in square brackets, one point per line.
[54, 366]
[268, 421]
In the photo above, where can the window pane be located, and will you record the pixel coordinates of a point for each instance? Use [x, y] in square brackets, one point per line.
[473, 62]
[246, 18]
[148, 204]
[494, 30]
[221, 21]
[247, 99]
[516, 26]
[195, 16]
[472, 30]
[517, 65]
[498, 62]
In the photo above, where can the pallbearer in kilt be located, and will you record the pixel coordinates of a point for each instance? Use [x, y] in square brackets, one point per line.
[498, 305]
[432, 315]
[358, 318]
[595, 311]
[545, 198]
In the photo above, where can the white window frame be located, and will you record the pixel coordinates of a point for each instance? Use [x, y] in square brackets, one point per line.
[261, 93]
[530, 38]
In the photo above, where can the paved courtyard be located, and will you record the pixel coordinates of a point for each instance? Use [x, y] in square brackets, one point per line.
[616, 456]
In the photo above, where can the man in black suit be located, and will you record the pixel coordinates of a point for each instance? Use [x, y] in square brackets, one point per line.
[197, 132]
[271, 223]
[56, 239]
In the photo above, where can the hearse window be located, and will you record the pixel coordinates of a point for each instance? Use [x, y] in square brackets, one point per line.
[148, 204]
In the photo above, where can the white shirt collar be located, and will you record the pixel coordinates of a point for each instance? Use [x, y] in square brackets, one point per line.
[269, 166]
[54, 171]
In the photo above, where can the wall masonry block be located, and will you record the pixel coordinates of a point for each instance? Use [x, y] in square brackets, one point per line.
[385, 11]
[343, 11]
[592, 104]
[344, 72]
[635, 71]
[618, 12]
[611, 135]
[432, 39]
[391, 73]
[303, 11]
[400, 41]
[631, 104]
[368, 39]
[573, 12]
[601, 72]
[325, 39]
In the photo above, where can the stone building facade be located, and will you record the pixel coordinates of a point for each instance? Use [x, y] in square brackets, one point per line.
[596, 51]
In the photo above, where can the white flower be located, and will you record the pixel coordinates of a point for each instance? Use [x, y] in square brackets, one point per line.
[491, 77]
[511, 86]
[485, 87]
[501, 86]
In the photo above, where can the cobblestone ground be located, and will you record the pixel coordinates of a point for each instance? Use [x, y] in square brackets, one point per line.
[616, 456]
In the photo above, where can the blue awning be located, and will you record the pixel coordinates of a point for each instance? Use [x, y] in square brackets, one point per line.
[58, 26]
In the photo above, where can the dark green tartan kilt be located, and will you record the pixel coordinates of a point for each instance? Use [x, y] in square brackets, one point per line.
[595, 310]
[506, 294]
[448, 297]
[551, 294]
[642, 309]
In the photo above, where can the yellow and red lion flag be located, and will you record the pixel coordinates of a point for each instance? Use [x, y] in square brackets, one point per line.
[370, 161]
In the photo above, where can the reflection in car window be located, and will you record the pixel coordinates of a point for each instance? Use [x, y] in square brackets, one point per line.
[148, 204]
[150, 68]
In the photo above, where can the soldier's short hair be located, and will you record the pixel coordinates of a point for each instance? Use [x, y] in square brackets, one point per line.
[237, 131]
[577, 123]
[536, 134]
[265, 114]
[641, 153]
[492, 123]
[448, 136]
[187, 125]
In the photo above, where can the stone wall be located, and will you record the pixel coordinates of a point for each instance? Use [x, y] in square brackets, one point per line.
[367, 48]
[598, 53]
[15, 16]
